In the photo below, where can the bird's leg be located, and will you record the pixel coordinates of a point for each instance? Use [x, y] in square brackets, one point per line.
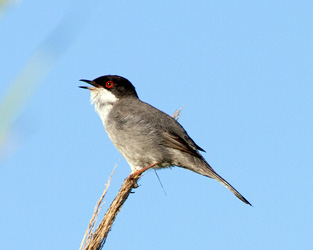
[139, 172]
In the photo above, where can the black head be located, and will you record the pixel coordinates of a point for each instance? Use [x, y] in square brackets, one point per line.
[117, 85]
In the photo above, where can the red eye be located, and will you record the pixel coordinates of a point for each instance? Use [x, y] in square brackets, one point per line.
[109, 84]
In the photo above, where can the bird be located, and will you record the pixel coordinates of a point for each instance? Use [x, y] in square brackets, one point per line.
[143, 134]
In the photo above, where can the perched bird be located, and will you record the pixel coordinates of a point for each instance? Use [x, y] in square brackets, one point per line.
[143, 134]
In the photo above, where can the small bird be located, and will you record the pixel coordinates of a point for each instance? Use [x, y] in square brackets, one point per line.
[144, 135]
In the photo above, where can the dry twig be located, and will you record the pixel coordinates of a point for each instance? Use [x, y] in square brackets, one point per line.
[101, 234]
[94, 218]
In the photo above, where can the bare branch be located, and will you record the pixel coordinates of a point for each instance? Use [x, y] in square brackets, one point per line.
[101, 234]
[93, 220]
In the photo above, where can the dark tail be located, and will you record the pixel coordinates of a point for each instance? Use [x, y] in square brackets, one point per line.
[205, 169]
[231, 188]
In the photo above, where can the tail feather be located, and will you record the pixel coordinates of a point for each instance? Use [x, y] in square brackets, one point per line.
[205, 169]
[231, 188]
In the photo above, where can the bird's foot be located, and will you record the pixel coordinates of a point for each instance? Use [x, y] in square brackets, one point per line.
[139, 172]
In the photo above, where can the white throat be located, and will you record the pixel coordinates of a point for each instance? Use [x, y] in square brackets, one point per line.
[103, 100]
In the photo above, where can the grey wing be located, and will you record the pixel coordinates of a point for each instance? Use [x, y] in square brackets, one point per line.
[181, 142]
[169, 132]
[174, 136]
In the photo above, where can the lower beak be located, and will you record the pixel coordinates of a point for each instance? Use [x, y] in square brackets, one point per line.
[89, 82]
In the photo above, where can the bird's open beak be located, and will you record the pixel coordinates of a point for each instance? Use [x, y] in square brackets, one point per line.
[91, 83]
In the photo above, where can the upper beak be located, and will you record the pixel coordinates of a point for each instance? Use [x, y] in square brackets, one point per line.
[89, 82]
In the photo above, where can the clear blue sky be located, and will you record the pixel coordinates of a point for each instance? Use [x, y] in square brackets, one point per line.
[242, 70]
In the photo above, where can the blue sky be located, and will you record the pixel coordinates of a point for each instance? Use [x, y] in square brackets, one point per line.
[241, 69]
